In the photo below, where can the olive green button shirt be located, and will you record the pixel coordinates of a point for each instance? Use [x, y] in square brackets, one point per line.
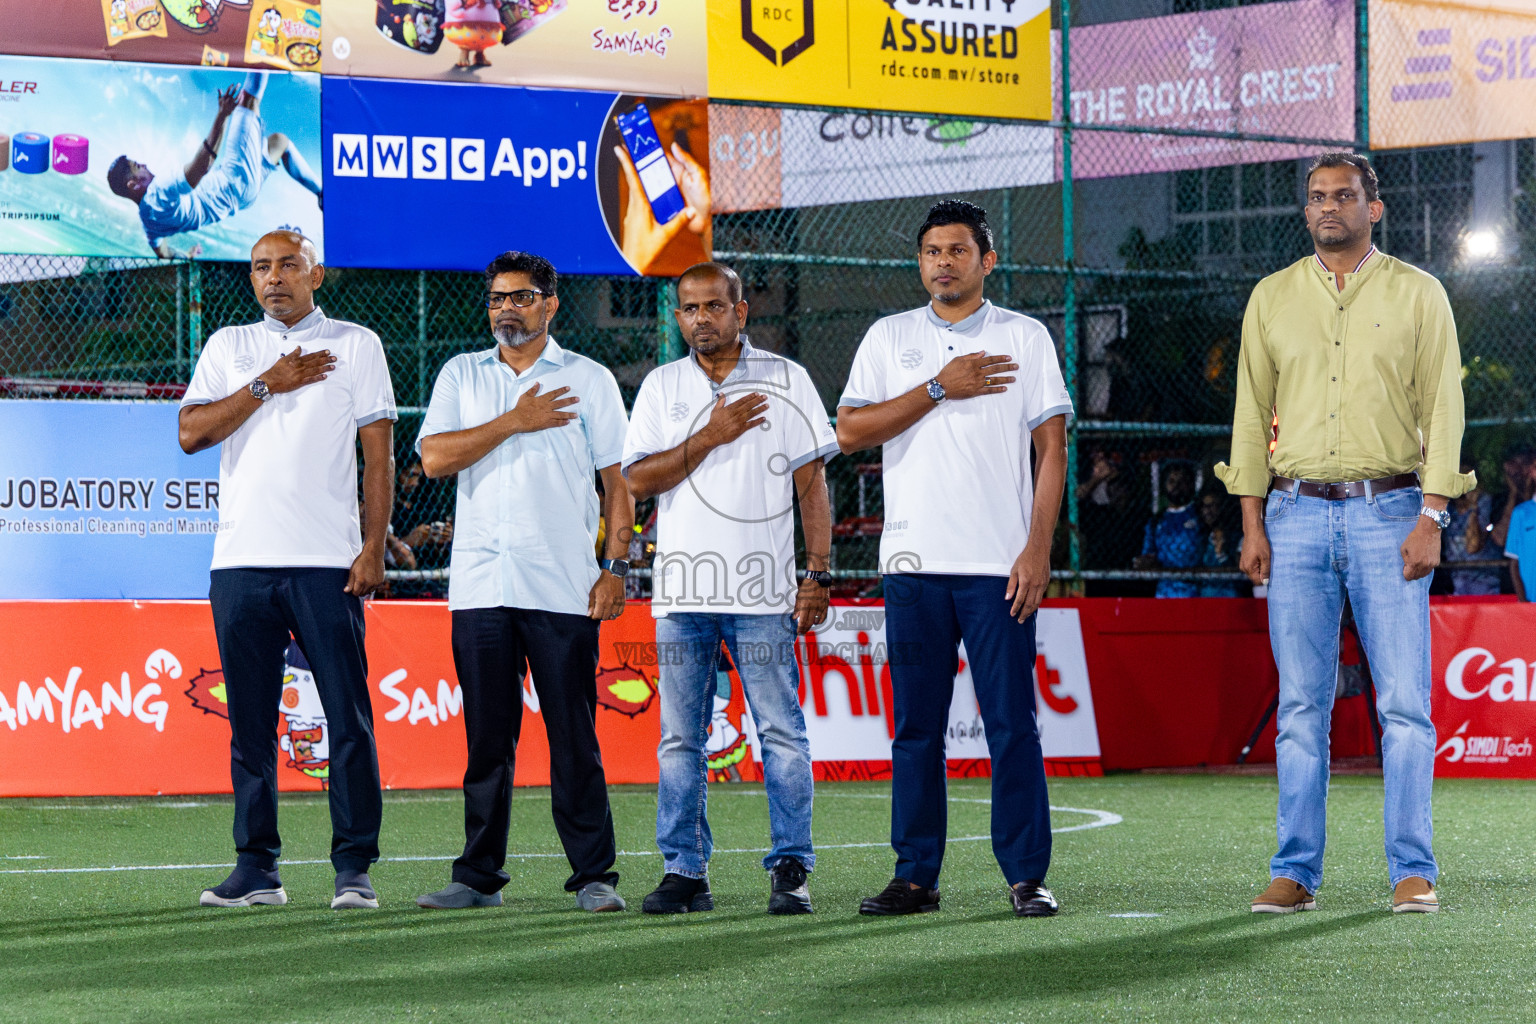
[1366, 382]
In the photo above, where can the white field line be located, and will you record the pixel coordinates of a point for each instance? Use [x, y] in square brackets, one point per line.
[1102, 819]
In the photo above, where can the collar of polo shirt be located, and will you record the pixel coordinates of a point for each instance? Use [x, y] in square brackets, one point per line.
[970, 323]
[311, 319]
[738, 370]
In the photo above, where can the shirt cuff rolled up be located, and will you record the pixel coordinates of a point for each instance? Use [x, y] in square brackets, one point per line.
[1446, 482]
[1244, 480]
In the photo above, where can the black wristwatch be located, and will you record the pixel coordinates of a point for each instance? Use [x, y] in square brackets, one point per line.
[820, 577]
[258, 389]
[618, 566]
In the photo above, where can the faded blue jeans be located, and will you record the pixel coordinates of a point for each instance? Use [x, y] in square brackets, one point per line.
[688, 655]
[1322, 550]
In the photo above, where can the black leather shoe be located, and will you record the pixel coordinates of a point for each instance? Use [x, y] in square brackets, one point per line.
[789, 894]
[900, 898]
[679, 894]
[1033, 899]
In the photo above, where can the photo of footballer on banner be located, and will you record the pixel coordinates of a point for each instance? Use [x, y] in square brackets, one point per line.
[655, 45]
[601, 183]
[122, 159]
[282, 34]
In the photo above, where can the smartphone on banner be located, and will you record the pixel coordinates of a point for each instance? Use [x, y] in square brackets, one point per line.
[656, 177]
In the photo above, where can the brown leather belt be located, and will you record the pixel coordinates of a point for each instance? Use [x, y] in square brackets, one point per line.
[1347, 489]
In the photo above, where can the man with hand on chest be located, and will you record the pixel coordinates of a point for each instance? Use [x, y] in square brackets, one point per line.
[966, 548]
[289, 399]
[527, 426]
[727, 439]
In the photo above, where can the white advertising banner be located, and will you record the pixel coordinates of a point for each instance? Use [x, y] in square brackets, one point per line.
[845, 677]
[765, 158]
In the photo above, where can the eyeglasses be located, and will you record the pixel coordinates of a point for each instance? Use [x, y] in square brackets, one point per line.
[521, 298]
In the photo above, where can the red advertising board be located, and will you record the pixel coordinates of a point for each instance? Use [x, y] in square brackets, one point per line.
[1483, 657]
[126, 697]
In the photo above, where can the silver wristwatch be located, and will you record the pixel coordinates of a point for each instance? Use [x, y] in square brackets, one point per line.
[935, 390]
[259, 390]
[1440, 517]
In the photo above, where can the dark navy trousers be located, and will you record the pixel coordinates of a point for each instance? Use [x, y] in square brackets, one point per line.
[927, 615]
[494, 649]
[254, 611]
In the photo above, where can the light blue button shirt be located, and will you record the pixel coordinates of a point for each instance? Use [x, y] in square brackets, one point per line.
[525, 524]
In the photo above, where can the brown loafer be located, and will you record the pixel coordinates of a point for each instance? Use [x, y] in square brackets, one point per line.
[1283, 897]
[1414, 895]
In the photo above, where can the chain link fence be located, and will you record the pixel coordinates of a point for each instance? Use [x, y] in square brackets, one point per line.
[1142, 277]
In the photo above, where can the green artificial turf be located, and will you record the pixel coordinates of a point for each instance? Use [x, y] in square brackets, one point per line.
[1192, 850]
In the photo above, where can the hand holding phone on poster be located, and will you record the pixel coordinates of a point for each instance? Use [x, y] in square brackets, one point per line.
[667, 191]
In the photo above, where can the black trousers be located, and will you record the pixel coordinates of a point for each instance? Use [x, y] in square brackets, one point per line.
[254, 611]
[493, 649]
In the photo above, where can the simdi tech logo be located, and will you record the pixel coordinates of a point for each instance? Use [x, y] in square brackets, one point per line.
[791, 25]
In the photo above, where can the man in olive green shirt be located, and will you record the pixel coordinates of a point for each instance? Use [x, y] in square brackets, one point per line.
[1355, 353]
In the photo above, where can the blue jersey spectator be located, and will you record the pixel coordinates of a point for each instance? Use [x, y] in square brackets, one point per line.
[1175, 539]
[1521, 546]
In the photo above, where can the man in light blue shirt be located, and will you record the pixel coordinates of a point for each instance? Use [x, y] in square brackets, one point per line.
[525, 425]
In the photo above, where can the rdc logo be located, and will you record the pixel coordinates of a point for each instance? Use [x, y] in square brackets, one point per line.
[678, 411]
[244, 362]
[779, 12]
[911, 359]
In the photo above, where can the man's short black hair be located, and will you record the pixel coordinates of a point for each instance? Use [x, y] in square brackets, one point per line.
[958, 211]
[716, 271]
[1355, 160]
[117, 177]
[539, 270]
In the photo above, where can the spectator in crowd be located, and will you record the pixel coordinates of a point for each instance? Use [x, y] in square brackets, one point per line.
[397, 554]
[420, 525]
[1467, 540]
[1223, 541]
[1174, 539]
[1110, 521]
[1517, 488]
[1520, 541]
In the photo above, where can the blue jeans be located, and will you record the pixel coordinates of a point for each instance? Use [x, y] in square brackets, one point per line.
[927, 615]
[1322, 550]
[762, 646]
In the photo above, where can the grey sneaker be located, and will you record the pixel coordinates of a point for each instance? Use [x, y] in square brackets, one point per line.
[598, 897]
[354, 892]
[458, 896]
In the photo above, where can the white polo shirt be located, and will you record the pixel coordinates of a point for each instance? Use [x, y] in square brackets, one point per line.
[725, 536]
[958, 483]
[288, 475]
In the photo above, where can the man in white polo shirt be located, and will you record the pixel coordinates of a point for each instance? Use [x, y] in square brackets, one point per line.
[725, 439]
[966, 547]
[527, 425]
[289, 556]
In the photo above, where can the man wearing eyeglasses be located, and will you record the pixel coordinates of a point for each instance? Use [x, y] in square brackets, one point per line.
[1355, 352]
[526, 424]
